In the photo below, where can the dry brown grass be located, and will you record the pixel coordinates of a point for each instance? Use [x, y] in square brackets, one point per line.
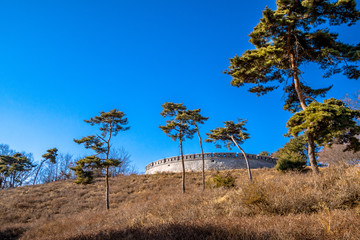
[275, 206]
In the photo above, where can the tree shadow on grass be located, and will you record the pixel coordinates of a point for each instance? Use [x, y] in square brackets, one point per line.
[176, 232]
[11, 233]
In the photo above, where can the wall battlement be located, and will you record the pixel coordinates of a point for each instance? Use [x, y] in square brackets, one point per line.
[216, 161]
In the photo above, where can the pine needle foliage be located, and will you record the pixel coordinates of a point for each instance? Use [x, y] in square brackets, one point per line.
[330, 121]
[178, 127]
[232, 134]
[12, 168]
[292, 156]
[297, 33]
[264, 153]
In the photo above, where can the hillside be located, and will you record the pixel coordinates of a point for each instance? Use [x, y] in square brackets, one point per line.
[276, 206]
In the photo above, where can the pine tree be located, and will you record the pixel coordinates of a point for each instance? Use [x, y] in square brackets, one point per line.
[194, 117]
[264, 153]
[51, 156]
[12, 169]
[295, 34]
[231, 134]
[292, 156]
[110, 124]
[330, 121]
[178, 128]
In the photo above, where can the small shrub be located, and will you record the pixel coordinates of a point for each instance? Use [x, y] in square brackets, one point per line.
[219, 180]
[289, 165]
[254, 198]
[292, 156]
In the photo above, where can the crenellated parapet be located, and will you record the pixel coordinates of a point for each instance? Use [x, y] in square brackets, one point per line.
[217, 161]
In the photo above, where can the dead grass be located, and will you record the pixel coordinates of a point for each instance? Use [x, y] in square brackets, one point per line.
[275, 206]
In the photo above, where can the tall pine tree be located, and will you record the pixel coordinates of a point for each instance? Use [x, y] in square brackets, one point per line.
[51, 156]
[110, 124]
[178, 128]
[286, 39]
[195, 118]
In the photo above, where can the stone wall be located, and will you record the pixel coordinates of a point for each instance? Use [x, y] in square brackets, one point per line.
[213, 161]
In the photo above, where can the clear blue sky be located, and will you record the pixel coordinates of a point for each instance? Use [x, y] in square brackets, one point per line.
[65, 61]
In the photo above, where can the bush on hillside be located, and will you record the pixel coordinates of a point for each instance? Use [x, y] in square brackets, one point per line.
[289, 165]
[292, 156]
[220, 180]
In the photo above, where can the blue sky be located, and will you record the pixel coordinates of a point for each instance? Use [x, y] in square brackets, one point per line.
[65, 61]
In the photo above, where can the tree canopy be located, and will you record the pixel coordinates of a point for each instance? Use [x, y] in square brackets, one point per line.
[178, 127]
[232, 134]
[330, 121]
[229, 135]
[294, 34]
[264, 153]
[14, 169]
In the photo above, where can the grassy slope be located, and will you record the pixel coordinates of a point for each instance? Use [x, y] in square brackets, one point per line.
[276, 206]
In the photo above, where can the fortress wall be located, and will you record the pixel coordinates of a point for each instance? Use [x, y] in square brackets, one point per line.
[215, 161]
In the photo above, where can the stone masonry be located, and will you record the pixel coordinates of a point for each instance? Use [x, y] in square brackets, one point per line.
[213, 161]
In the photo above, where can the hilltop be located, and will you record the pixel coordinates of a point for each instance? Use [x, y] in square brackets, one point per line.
[275, 206]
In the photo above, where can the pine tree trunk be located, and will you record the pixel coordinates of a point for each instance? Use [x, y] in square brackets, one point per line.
[311, 153]
[297, 86]
[203, 160]
[37, 172]
[107, 188]
[311, 141]
[183, 166]
[107, 171]
[247, 161]
[12, 181]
